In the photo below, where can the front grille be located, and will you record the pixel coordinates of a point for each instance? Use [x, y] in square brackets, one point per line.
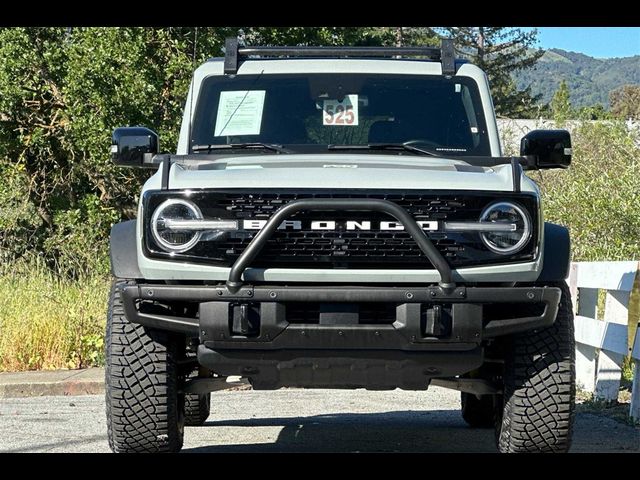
[354, 249]
[342, 248]
[262, 205]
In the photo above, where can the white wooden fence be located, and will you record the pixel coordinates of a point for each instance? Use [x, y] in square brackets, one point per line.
[602, 344]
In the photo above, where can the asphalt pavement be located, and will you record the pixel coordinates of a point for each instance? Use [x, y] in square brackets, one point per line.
[292, 420]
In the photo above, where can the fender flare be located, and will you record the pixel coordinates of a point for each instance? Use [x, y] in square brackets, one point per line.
[123, 251]
[557, 253]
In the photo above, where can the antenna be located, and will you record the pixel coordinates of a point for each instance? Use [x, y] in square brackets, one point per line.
[193, 64]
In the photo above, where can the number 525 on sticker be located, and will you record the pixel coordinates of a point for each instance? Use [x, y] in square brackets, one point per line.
[344, 113]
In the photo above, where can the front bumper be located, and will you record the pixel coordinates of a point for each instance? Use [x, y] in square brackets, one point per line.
[216, 304]
[340, 350]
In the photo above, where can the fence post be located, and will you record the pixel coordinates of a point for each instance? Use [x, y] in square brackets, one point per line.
[609, 372]
[602, 344]
[586, 355]
[634, 410]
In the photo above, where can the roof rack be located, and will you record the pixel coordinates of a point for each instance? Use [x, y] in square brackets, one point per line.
[445, 54]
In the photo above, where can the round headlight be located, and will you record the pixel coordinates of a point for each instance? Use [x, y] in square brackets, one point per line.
[508, 241]
[172, 239]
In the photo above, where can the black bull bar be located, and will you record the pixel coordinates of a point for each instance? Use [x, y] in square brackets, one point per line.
[372, 205]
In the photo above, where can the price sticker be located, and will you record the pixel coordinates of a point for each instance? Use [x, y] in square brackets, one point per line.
[343, 114]
[239, 113]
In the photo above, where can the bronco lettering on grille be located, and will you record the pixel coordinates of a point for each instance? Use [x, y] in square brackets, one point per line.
[429, 225]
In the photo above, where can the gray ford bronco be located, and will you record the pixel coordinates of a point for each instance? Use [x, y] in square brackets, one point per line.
[340, 218]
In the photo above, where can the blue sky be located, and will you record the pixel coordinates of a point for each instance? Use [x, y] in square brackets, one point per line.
[599, 42]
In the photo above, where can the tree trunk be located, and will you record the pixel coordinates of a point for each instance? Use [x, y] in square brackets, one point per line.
[480, 43]
[399, 37]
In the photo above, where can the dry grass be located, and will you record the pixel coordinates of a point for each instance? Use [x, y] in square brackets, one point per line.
[48, 323]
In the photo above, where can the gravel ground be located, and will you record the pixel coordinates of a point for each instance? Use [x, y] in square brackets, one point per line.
[293, 420]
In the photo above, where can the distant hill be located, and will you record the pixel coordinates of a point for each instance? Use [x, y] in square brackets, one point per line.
[589, 79]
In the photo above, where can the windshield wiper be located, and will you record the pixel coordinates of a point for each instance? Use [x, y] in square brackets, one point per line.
[385, 146]
[246, 146]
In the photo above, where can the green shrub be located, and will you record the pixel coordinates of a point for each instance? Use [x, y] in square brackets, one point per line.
[62, 91]
[79, 241]
[20, 221]
[597, 197]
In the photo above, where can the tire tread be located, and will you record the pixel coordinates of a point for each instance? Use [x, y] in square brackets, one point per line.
[540, 387]
[141, 381]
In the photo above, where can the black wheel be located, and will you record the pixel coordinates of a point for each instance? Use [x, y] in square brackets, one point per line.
[197, 408]
[539, 387]
[144, 411]
[478, 412]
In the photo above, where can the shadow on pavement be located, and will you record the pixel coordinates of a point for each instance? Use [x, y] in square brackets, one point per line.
[398, 431]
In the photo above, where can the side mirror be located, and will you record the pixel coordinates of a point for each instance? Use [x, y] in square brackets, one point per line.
[547, 148]
[134, 146]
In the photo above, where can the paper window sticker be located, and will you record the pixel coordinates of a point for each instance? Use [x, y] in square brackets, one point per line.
[239, 113]
[458, 88]
[343, 114]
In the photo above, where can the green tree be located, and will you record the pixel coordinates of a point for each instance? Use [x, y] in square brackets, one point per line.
[32, 132]
[561, 109]
[625, 102]
[593, 112]
[62, 91]
[335, 36]
[301, 36]
[501, 52]
[403, 36]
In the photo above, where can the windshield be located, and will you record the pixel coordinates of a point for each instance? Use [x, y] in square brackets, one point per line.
[319, 111]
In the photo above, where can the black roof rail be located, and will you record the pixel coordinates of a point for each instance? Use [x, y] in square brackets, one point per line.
[234, 52]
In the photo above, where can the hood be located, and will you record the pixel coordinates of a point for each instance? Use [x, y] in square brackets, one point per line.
[340, 171]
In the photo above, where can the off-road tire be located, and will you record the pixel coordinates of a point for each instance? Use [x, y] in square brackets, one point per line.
[478, 413]
[197, 408]
[539, 387]
[144, 411]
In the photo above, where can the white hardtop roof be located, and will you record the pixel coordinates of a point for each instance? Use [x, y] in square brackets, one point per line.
[250, 66]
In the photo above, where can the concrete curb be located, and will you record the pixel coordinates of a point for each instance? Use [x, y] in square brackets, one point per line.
[89, 381]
